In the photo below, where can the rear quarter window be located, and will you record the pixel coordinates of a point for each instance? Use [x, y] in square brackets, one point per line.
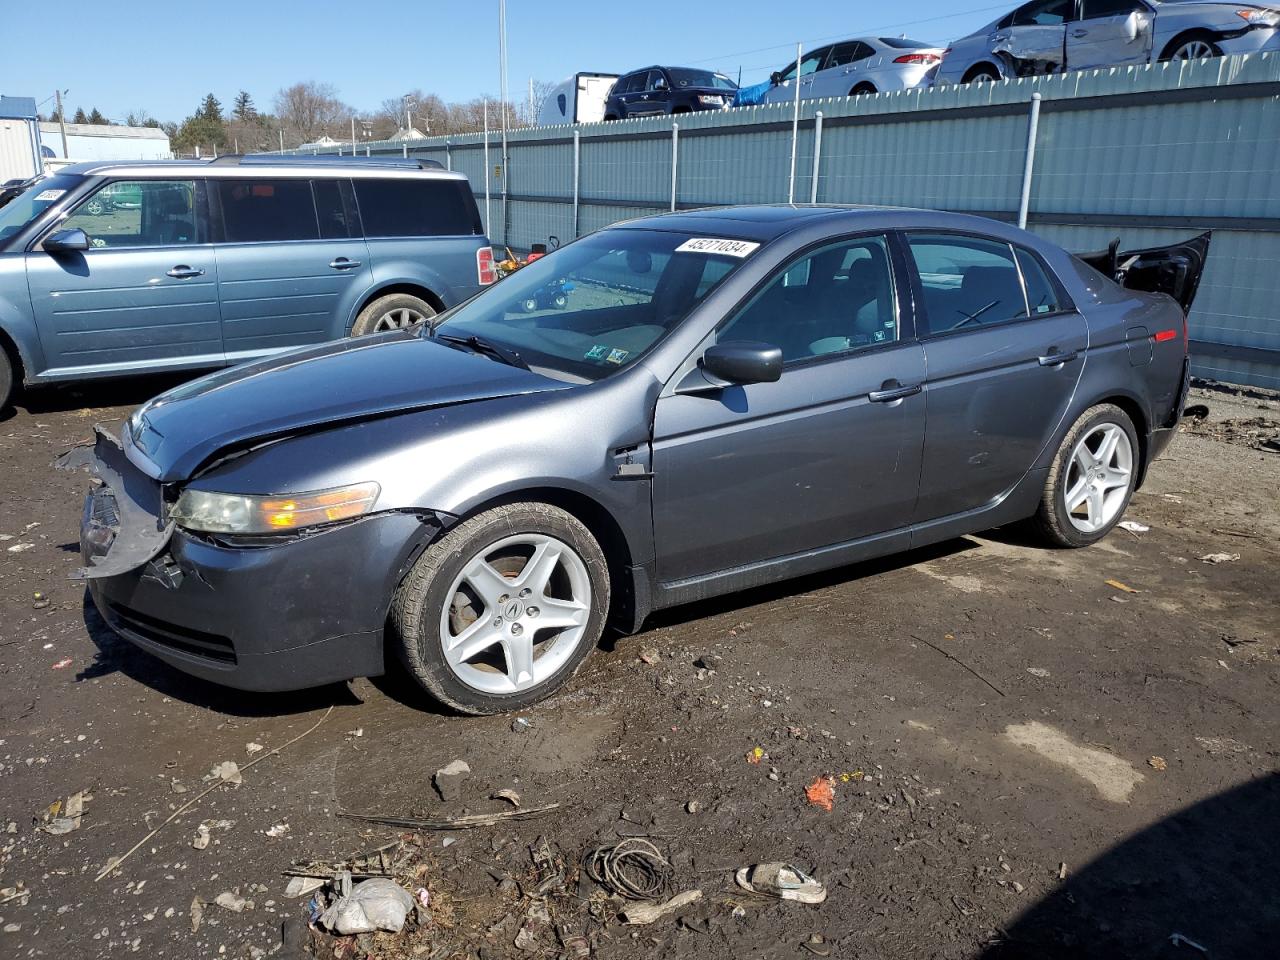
[417, 208]
[258, 211]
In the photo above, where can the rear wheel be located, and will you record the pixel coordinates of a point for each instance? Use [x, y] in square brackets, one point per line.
[862, 90]
[1091, 480]
[982, 73]
[392, 312]
[1192, 46]
[503, 610]
[8, 379]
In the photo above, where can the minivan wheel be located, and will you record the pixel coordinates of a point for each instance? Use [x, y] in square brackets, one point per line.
[504, 609]
[7, 379]
[392, 312]
[1091, 480]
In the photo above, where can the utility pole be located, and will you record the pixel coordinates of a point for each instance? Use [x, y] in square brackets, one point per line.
[533, 110]
[62, 123]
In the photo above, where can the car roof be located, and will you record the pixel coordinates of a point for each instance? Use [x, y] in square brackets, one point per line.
[764, 223]
[290, 166]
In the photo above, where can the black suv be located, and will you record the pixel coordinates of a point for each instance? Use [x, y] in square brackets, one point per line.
[654, 91]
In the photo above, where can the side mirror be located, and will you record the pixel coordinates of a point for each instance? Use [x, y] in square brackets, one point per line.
[775, 78]
[743, 362]
[66, 241]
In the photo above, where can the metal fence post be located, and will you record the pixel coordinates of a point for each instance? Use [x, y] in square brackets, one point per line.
[577, 159]
[675, 156]
[817, 156]
[1033, 128]
[448, 155]
[404, 149]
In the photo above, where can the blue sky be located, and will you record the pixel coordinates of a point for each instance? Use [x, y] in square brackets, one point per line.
[162, 58]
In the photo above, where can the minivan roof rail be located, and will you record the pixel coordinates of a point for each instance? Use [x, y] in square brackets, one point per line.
[254, 159]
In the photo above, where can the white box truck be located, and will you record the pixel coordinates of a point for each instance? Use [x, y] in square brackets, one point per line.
[580, 99]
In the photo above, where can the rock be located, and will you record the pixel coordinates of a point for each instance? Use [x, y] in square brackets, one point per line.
[650, 655]
[448, 780]
[709, 661]
[693, 806]
[233, 902]
[521, 725]
[201, 840]
[1040, 672]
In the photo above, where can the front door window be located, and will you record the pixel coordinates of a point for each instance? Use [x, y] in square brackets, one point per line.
[138, 213]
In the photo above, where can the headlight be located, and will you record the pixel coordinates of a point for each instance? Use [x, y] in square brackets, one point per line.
[1260, 18]
[232, 513]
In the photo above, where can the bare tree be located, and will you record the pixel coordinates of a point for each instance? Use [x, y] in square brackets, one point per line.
[527, 111]
[308, 111]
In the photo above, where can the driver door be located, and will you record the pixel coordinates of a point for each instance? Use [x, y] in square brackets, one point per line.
[1110, 33]
[145, 293]
[828, 454]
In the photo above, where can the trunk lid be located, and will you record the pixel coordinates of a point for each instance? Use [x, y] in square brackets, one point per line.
[177, 433]
[1175, 269]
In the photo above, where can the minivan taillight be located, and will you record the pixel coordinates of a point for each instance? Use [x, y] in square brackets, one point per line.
[922, 59]
[485, 271]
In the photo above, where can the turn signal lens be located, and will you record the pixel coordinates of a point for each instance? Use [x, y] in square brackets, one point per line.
[1165, 335]
[1263, 18]
[231, 513]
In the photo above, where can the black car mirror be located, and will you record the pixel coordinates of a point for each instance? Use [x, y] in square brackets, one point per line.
[775, 78]
[743, 362]
[67, 241]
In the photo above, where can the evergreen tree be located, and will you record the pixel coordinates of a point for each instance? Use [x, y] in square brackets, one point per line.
[80, 116]
[244, 110]
[96, 117]
[210, 109]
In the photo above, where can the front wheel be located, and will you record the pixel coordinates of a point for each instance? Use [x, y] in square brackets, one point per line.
[862, 90]
[1192, 47]
[395, 311]
[8, 379]
[504, 609]
[1091, 480]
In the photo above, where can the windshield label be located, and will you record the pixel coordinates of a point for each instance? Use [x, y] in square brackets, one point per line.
[597, 352]
[49, 195]
[617, 356]
[728, 248]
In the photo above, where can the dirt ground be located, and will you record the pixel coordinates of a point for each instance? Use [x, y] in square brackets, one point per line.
[1036, 754]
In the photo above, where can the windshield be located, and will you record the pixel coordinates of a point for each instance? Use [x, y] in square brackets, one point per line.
[902, 43]
[32, 202]
[599, 304]
[701, 78]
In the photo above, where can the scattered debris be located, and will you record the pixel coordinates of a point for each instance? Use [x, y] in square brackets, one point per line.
[228, 772]
[781, 880]
[709, 661]
[197, 913]
[537, 921]
[1040, 672]
[279, 830]
[21, 547]
[650, 655]
[1062, 870]
[634, 869]
[508, 795]
[1179, 940]
[63, 816]
[448, 780]
[1197, 411]
[638, 914]
[693, 806]
[375, 904]
[521, 725]
[1133, 526]
[201, 840]
[63, 663]
[252, 748]
[452, 823]
[1219, 558]
[232, 901]
[756, 755]
[301, 886]
[817, 945]
[1158, 763]
[1122, 587]
[822, 793]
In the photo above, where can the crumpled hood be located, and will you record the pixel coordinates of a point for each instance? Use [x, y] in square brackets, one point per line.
[345, 381]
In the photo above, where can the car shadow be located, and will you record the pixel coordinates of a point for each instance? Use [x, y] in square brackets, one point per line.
[96, 394]
[114, 654]
[1199, 883]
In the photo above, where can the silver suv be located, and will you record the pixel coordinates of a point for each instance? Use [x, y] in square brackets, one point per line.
[109, 269]
[1052, 36]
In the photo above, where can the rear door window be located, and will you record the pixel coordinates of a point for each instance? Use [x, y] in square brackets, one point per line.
[335, 212]
[418, 207]
[968, 282]
[258, 211]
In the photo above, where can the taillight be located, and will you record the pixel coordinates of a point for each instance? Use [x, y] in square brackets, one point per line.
[921, 59]
[485, 271]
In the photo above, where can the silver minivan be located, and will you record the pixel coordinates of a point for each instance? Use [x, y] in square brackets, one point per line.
[111, 269]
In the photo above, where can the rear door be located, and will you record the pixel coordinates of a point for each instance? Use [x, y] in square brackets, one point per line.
[1033, 37]
[143, 296]
[845, 68]
[1004, 359]
[291, 262]
[630, 91]
[1110, 33]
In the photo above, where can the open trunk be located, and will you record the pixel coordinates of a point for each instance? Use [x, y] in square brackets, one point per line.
[1174, 269]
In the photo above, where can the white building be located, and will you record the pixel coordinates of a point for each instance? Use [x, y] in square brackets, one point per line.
[19, 146]
[95, 141]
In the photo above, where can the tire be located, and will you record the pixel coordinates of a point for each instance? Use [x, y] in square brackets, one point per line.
[96, 207]
[395, 311]
[983, 73]
[610, 117]
[862, 89]
[472, 566]
[1099, 487]
[8, 379]
[1192, 46]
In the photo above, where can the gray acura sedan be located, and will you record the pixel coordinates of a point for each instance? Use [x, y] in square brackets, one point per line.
[668, 409]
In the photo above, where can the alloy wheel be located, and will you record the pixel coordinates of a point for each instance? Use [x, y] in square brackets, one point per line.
[398, 319]
[1194, 50]
[1099, 474]
[516, 613]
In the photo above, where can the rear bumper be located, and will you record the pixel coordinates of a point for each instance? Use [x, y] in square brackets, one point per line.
[1163, 435]
[295, 614]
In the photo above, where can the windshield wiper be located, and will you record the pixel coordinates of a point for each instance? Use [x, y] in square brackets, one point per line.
[489, 348]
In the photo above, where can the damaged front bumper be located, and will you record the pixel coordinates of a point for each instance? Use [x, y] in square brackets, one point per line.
[267, 614]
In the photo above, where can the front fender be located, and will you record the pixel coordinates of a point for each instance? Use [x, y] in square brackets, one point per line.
[19, 326]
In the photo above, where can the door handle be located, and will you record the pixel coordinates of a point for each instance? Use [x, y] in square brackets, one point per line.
[1079, 33]
[888, 394]
[1056, 359]
[342, 263]
[183, 272]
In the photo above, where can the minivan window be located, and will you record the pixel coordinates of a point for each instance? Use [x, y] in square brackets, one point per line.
[417, 207]
[334, 223]
[37, 198]
[138, 213]
[967, 282]
[258, 211]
